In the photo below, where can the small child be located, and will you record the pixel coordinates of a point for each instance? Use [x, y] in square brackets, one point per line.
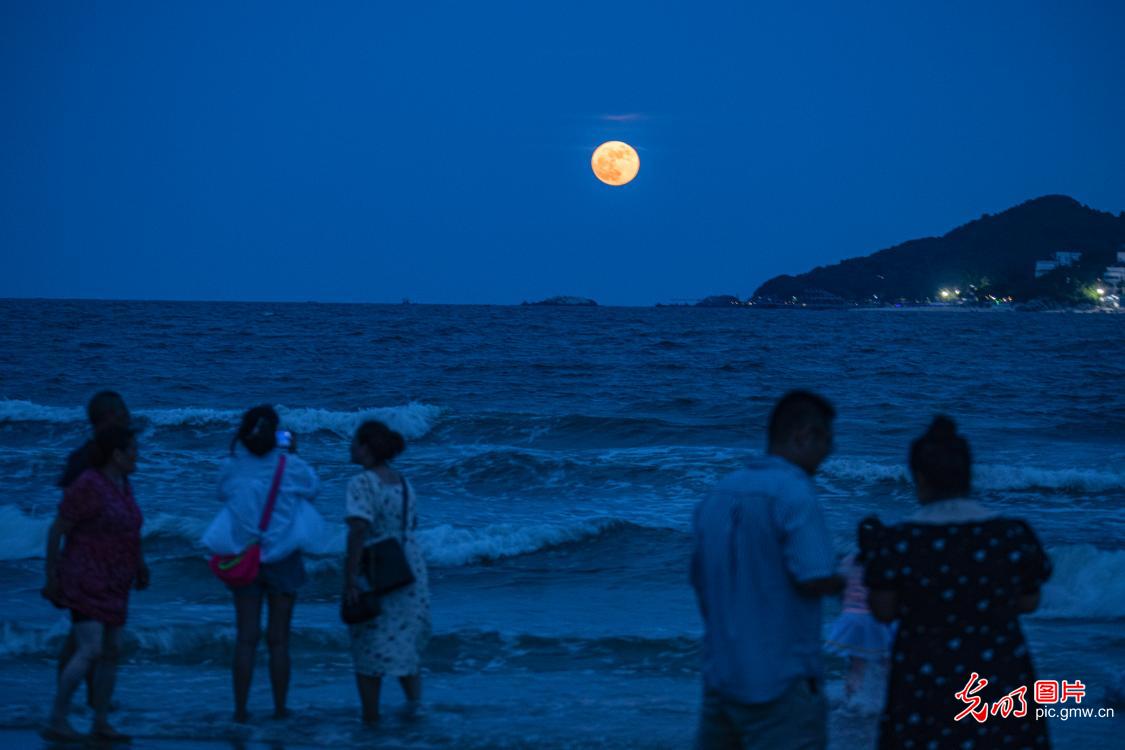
[856, 634]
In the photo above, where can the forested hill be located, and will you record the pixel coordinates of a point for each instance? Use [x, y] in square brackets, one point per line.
[995, 253]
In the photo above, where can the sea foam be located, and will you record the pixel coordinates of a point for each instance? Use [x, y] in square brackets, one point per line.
[413, 420]
[443, 545]
[452, 546]
[1087, 583]
[988, 477]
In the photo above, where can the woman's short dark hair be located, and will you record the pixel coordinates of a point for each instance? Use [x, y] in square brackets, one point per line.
[258, 431]
[943, 458]
[383, 442]
[108, 440]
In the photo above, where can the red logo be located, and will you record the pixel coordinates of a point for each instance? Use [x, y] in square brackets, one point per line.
[1046, 691]
[1007, 704]
[977, 707]
[1015, 703]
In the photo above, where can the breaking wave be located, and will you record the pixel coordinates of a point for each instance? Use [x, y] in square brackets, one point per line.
[413, 420]
[444, 545]
[1087, 582]
[989, 477]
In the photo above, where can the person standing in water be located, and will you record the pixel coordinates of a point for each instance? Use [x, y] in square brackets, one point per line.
[761, 562]
[104, 409]
[244, 485]
[957, 576]
[91, 576]
[380, 503]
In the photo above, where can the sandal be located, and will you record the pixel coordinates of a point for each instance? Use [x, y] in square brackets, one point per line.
[109, 734]
[62, 736]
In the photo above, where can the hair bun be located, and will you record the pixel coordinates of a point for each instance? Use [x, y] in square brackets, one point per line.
[942, 428]
[383, 442]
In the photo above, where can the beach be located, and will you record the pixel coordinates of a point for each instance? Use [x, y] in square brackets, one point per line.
[557, 454]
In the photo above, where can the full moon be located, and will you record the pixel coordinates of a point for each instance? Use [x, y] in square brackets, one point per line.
[615, 163]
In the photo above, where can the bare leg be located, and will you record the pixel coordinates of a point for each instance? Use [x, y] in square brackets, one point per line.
[70, 645]
[411, 687]
[369, 687]
[91, 688]
[88, 638]
[277, 636]
[248, 613]
[105, 678]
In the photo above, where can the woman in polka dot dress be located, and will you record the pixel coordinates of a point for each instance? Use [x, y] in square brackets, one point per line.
[956, 576]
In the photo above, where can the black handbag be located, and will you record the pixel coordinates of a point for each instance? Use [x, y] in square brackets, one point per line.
[364, 609]
[384, 563]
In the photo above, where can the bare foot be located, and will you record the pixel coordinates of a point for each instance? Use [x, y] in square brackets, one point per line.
[106, 733]
[241, 716]
[371, 719]
[60, 730]
[282, 713]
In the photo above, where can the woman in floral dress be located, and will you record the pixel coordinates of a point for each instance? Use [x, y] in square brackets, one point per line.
[91, 576]
[390, 645]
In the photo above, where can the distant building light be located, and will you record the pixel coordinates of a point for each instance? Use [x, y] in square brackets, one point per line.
[1043, 267]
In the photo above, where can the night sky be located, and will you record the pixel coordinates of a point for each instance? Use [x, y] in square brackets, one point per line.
[363, 151]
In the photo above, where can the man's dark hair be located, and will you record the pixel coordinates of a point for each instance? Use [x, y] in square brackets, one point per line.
[104, 406]
[796, 410]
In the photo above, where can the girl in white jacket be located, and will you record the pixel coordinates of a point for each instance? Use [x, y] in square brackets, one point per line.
[244, 485]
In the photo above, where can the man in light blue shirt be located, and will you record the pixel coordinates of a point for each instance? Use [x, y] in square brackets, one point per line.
[762, 561]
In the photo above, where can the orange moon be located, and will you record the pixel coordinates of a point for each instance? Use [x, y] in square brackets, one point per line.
[615, 163]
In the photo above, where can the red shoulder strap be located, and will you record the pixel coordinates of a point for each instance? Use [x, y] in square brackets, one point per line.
[271, 500]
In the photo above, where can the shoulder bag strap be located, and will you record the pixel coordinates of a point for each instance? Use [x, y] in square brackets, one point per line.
[405, 505]
[271, 500]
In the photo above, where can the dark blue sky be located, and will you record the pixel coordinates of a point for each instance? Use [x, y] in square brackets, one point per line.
[356, 151]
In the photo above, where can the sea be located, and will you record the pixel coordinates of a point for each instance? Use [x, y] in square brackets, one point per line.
[557, 454]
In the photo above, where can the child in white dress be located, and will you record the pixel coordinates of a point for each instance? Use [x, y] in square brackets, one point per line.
[858, 636]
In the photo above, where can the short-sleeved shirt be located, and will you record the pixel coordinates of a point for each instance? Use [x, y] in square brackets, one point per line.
[103, 549]
[381, 505]
[757, 534]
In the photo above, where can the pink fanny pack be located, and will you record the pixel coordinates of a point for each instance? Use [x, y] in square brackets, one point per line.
[242, 569]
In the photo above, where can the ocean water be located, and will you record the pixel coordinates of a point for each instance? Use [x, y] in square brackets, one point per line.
[557, 454]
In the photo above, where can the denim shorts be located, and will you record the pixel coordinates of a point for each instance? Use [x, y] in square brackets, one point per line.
[283, 577]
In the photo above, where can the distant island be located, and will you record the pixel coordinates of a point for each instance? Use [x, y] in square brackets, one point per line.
[565, 302]
[1048, 252]
[719, 300]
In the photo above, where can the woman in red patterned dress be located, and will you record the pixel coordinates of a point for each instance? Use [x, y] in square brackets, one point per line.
[93, 573]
